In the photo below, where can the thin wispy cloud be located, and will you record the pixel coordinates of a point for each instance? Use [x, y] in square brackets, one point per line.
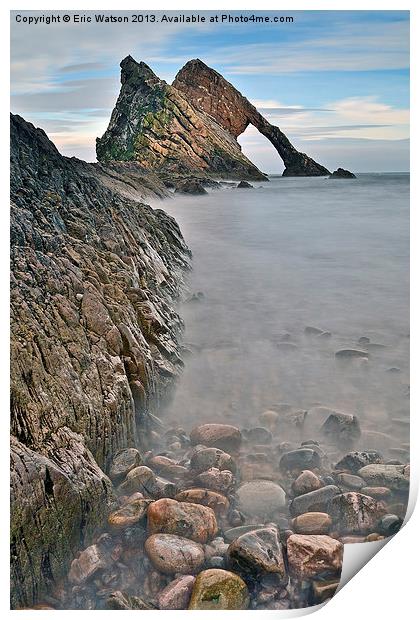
[330, 77]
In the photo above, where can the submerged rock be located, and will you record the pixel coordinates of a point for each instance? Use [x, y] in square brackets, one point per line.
[395, 477]
[306, 482]
[218, 589]
[244, 185]
[355, 513]
[309, 556]
[223, 436]
[315, 501]
[342, 428]
[87, 564]
[312, 523]
[207, 458]
[341, 173]
[348, 354]
[256, 552]
[190, 186]
[177, 594]
[123, 462]
[303, 458]
[353, 461]
[260, 498]
[182, 518]
[216, 501]
[172, 554]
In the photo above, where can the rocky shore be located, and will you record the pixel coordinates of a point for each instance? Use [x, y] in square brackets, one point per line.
[229, 518]
[95, 343]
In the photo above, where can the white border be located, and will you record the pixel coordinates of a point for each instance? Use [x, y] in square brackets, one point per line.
[385, 588]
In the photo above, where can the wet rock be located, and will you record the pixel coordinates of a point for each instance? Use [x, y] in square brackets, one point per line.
[216, 480]
[182, 518]
[223, 436]
[244, 185]
[350, 481]
[121, 600]
[309, 556]
[172, 554]
[140, 479]
[312, 523]
[218, 589]
[341, 173]
[315, 501]
[206, 458]
[123, 462]
[381, 493]
[131, 513]
[218, 502]
[216, 561]
[322, 591]
[177, 594]
[87, 564]
[389, 525]
[167, 467]
[355, 513]
[190, 186]
[303, 458]
[234, 532]
[313, 331]
[349, 354]
[341, 428]
[395, 477]
[270, 418]
[259, 435]
[258, 551]
[260, 498]
[353, 461]
[306, 482]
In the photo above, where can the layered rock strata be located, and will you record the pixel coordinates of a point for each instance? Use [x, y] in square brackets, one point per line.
[191, 126]
[94, 342]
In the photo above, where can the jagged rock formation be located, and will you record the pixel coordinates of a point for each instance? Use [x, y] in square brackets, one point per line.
[209, 92]
[154, 124]
[191, 126]
[94, 342]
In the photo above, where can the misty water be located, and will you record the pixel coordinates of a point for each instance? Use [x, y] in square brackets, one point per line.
[274, 260]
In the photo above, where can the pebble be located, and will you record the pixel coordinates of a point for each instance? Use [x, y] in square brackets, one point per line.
[172, 554]
[123, 462]
[218, 502]
[167, 467]
[258, 551]
[315, 501]
[234, 532]
[270, 418]
[260, 498]
[353, 461]
[389, 525]
[182, 518]
[177, 593]
[306, 482]
[350, 481]
[312, 523]
[311, 555]
[354, 513]
[376, 492]
[395, 477]
[216, 480]
[138, 479]
[259, 435]
[342, 428]
[348, 354]
[303, 458]
[223, 436]
[129, 514]
[217, 589]
[207, 458]
[87, 564]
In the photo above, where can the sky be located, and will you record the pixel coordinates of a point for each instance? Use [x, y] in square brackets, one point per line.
[336, 82]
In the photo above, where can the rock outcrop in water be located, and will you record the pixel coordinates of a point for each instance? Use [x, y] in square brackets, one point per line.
[94, 342]
[191, 126]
